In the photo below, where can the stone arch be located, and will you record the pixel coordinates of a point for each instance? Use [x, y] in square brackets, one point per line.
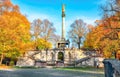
[52, 56]
[61, 56]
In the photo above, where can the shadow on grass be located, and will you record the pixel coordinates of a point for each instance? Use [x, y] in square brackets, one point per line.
[25, 67]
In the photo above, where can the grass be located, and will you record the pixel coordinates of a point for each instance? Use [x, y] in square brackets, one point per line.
[83, 69]
[25, 67]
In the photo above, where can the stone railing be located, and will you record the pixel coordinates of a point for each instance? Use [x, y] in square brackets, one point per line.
[112, 67]
[82, 60]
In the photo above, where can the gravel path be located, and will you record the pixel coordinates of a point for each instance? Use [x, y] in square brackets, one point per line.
[46, 72]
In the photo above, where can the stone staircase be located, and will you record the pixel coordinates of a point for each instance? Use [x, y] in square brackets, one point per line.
[80, 61]
[28, 60]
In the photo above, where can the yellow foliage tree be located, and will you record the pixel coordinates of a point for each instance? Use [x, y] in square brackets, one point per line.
[14, 32]
[42, 44]
[105, 36]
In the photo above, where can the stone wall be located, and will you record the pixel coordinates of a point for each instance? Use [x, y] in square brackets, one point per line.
[25, 61]
[51, 56]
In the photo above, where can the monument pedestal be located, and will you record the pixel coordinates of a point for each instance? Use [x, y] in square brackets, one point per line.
[62, 44]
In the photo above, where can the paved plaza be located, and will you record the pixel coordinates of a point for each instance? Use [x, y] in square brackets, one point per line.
[47, 72]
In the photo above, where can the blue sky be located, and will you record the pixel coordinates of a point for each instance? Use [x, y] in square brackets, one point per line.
[88, 10]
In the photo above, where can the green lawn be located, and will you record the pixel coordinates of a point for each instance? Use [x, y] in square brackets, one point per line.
[25, 67]
[84, 69]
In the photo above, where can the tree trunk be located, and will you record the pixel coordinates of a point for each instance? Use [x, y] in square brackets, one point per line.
[1, 59]
[79, 42]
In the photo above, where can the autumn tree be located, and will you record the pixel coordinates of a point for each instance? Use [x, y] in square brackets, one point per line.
[111, 22]
[108, 29]
[111, 16]
[14, 31]
[48, 30]
[88, 42]
[43, 44]
[110, 8]
[105, 36]
[55, 39]
[6, 5]
[77, 31]
[36, 28]
[43, 30]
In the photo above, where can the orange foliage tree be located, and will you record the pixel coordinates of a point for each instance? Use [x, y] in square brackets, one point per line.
[105, 36]
[14, 31]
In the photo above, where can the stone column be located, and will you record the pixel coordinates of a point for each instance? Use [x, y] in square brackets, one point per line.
[63, 21]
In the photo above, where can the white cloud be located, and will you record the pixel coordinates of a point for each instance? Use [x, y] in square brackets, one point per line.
[89, 20]
[31, 17]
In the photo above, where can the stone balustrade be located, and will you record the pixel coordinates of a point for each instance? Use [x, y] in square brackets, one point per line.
[112, 67]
